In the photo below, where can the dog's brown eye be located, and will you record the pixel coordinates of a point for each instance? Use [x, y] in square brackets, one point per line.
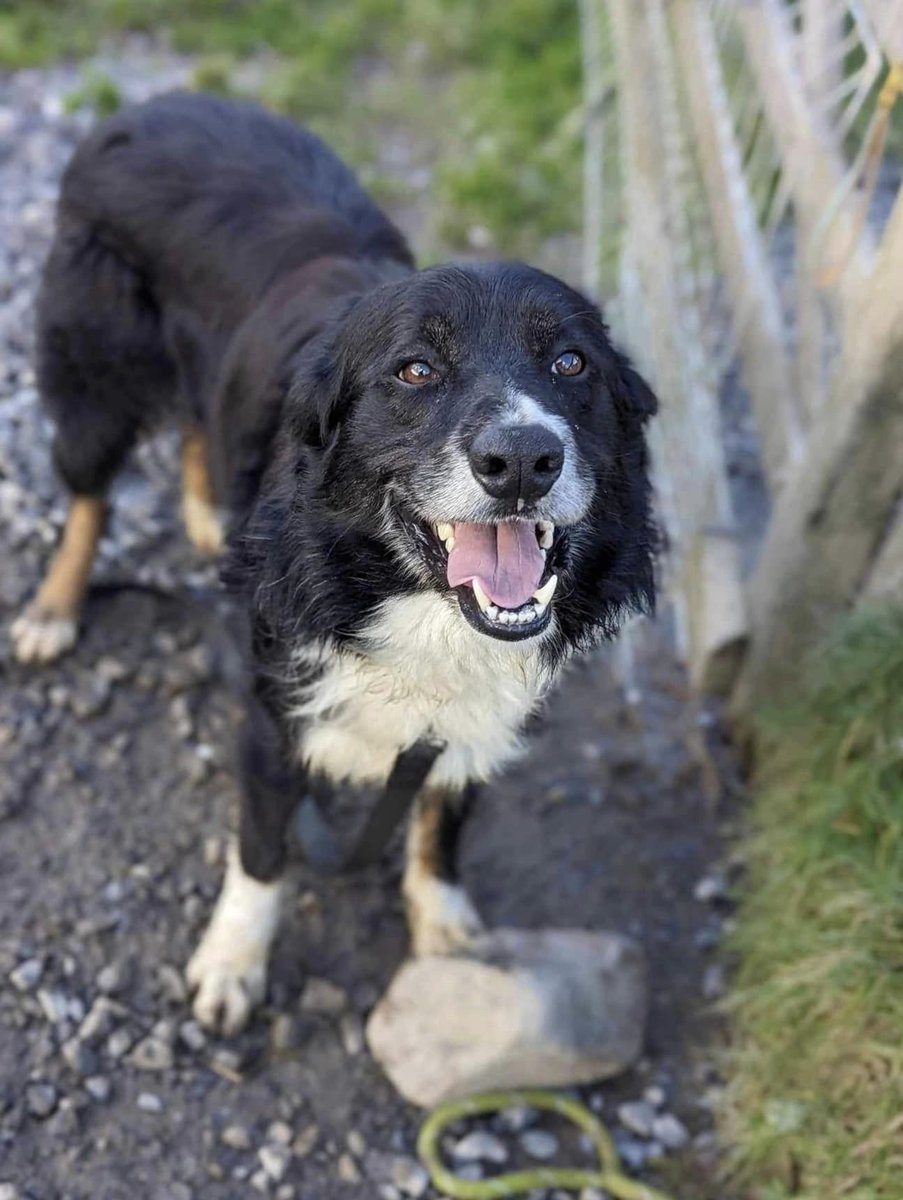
[569, 363]
[418, 372]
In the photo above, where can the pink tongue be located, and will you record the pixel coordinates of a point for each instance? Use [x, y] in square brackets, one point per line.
[505, 558]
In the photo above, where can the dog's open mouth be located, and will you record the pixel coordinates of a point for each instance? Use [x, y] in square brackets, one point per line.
[502, 574]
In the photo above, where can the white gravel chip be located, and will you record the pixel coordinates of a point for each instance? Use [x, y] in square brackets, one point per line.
[480, 1146]
[323, 996]
[410, 1177]
[236, 1137]
[539, 1143]
[638, 1116]
[26, 977]
[671, 1132]
[274, 1160]
[149, 1102]
[54, 1004]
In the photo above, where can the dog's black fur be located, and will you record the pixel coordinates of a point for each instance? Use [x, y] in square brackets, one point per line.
[216, 263]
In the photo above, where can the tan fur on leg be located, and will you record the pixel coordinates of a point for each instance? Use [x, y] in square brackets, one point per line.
[199, 513]
[441, 916]
[49, 625]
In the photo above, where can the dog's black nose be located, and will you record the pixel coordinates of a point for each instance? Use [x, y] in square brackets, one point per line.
[516, 462]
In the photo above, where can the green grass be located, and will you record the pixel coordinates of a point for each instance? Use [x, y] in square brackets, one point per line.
[815, 1105]
[489, 93]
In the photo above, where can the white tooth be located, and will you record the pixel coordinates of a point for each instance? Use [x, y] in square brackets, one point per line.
[445, 530]
[491, 612]
[546, 534]
[547, 591]
[506, 617]
[540, 608]
[449, 544]
[482, 599]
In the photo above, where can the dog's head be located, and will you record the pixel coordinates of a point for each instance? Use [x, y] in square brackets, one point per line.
[477, 422]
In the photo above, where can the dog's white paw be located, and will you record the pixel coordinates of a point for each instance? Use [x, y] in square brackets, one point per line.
[228, 971]
[228, 982]
[202, 524]
[442, 918]
[40, 637]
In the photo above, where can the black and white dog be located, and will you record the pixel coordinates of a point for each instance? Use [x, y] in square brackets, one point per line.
[434, 482]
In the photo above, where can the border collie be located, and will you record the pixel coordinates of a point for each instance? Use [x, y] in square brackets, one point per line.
[433, 484]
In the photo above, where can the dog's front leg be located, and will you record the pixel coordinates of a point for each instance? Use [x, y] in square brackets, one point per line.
[441, 916]
[228, 971]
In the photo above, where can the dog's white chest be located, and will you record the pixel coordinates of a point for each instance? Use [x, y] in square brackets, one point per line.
[423, 672]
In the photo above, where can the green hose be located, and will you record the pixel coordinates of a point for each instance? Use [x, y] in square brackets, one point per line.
[608, 1178]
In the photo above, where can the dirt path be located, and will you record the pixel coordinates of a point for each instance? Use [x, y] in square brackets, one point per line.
[115, 791]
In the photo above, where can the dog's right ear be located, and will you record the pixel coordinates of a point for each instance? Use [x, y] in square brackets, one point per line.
[321, 387]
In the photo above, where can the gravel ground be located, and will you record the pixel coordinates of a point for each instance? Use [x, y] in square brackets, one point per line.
[114, 794]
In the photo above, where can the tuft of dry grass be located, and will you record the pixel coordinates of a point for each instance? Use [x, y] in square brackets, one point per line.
[815, 1104]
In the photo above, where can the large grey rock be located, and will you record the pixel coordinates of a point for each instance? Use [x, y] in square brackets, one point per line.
[522, 1008]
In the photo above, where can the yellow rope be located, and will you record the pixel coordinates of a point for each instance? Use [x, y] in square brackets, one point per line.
[608, 1177]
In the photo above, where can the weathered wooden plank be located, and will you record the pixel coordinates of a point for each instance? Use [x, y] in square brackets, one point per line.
[829, 521]
[837, 246]
[666, 338]
[758, 319]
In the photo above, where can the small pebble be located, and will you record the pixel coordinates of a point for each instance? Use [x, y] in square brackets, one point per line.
[655, 1096]
[637, 1116]
[40, 1099]
[274, 1160]
[9, 1191]
[27, 975]
[517, 1119]
[149, 1102]
[152, 1054]
[110, 979]
[54, 1005]
[98, 1088]
[192, 1036]
[671, 1132]
[79, 1056]
[355, 1143]
[352, 1032]
[236, 1137]
[410, 1177]
[119, 1043]
[711, 888]
[481, 1146]
[99, 1021]
[323, 996]
[279, 1132]
[172, 983]
[347, 1169]
[305, 1141]
[539, 1143]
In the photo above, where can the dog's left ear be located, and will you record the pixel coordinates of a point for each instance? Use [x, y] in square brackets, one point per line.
[633, 392]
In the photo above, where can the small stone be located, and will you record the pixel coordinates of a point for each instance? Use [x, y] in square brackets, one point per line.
[27, 975]
[192, 1036]
[352, 1033]
[64, 1122]
[119, 1043]
[539, 1143]
[9, 1191]
[227, 1060]
[284, 1032]
[591, 1193]
[54, 1004]
[632, 1153]
[149, 1102]
[471, 1171]
[517, 1119]
[481, 1146]
[305, 1141]
[79, 1056]
[410, 1177]
[236, 1137]
[711, 888]
[99, 1021]
[40, 1099]
[388, 1191]
[110, 979]
[285, 1191]
[152, 1054]
[280, 1133]
[274, 1160]
[637, 1116]
[323, 996]
[655, 1096]
[347, 1169]
[355, 1143]
[671, 1132]
[98, 1088]
[172, 984]
[713, 982]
